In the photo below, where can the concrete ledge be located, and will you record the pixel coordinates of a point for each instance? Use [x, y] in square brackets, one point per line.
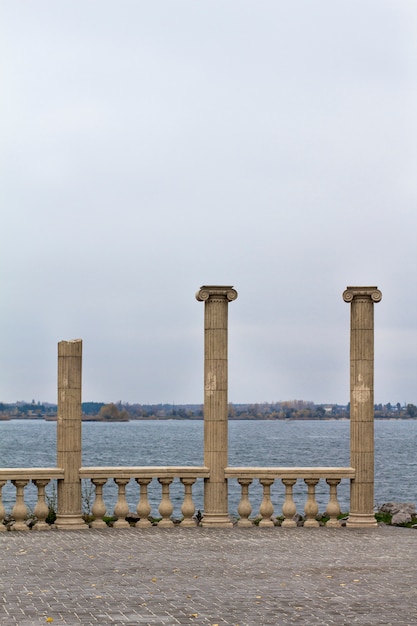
[290, 472]
[176, 471]
[31, 473]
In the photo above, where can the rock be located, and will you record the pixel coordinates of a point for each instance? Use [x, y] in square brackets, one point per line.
[31, 521]
[402, 512]
[298, 519]
[396, 507]
[402, 517]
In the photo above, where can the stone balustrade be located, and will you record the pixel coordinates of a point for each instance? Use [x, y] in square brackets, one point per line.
[20, 477]
[215, 471]
[289, 476]
[143, 477]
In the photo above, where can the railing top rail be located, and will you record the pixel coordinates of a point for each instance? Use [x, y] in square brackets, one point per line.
[31, 473]
[290, 472]
[175, 471]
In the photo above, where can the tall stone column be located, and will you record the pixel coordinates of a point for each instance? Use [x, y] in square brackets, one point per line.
[69, 435]
[362, 301]
[216, 299]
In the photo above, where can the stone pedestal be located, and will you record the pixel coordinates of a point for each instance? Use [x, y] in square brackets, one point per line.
[69, 435]
[216, 299]
[362, 301]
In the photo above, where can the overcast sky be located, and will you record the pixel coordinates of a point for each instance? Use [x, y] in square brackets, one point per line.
[149, 148]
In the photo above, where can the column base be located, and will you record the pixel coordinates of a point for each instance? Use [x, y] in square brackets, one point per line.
[361, 520]
[216, 520]
[70, 522]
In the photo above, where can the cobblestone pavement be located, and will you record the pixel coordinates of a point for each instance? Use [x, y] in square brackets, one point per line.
[245, 577]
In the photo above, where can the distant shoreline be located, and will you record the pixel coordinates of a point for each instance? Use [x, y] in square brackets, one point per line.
[88, 418]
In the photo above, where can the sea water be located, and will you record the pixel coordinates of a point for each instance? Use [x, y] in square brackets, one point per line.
[262, 443]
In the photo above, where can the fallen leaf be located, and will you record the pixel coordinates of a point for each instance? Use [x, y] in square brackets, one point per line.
[153, 580]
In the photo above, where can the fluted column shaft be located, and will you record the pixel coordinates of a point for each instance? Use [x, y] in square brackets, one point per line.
[216, 299]
[69, 434]
[362, 301]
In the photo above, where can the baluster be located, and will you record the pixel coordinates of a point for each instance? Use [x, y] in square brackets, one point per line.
[188, 507]
[122, 508]
[333, 508]
[288, 508]
[266, 509]
[311, 508]
[244, 508]
[3, 528]
[20, 511]
[165, 508]
[143, 508]
[41, 509]
[99, 508]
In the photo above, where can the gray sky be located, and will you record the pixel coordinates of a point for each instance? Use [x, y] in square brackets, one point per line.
[149, 148]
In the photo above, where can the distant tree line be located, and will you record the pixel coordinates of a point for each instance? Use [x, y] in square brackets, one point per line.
[288, 410]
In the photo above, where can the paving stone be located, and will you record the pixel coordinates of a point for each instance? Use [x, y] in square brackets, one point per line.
[243, 577]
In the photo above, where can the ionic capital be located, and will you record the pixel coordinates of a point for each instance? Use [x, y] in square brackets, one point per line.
[362, 292]
[216, 292]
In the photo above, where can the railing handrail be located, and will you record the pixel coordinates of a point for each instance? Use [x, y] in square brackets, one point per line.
[29, 473]
[177, 471]
[145, 471]
[290, 472]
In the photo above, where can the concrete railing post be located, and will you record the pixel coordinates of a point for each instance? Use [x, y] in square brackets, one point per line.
[362, 301]
[69, 435]
[216, 299]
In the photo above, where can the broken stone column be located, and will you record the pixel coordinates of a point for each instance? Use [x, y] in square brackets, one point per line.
[362, 301]
[69, 435]
[216, 299]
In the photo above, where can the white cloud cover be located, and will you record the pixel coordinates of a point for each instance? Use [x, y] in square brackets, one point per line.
[150, 148]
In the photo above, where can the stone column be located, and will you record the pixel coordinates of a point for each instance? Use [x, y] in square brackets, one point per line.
[362, 404]
[69, 435]
[216, 299]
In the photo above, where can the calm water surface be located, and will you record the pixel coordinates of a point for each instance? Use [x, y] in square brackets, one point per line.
[251, 443]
